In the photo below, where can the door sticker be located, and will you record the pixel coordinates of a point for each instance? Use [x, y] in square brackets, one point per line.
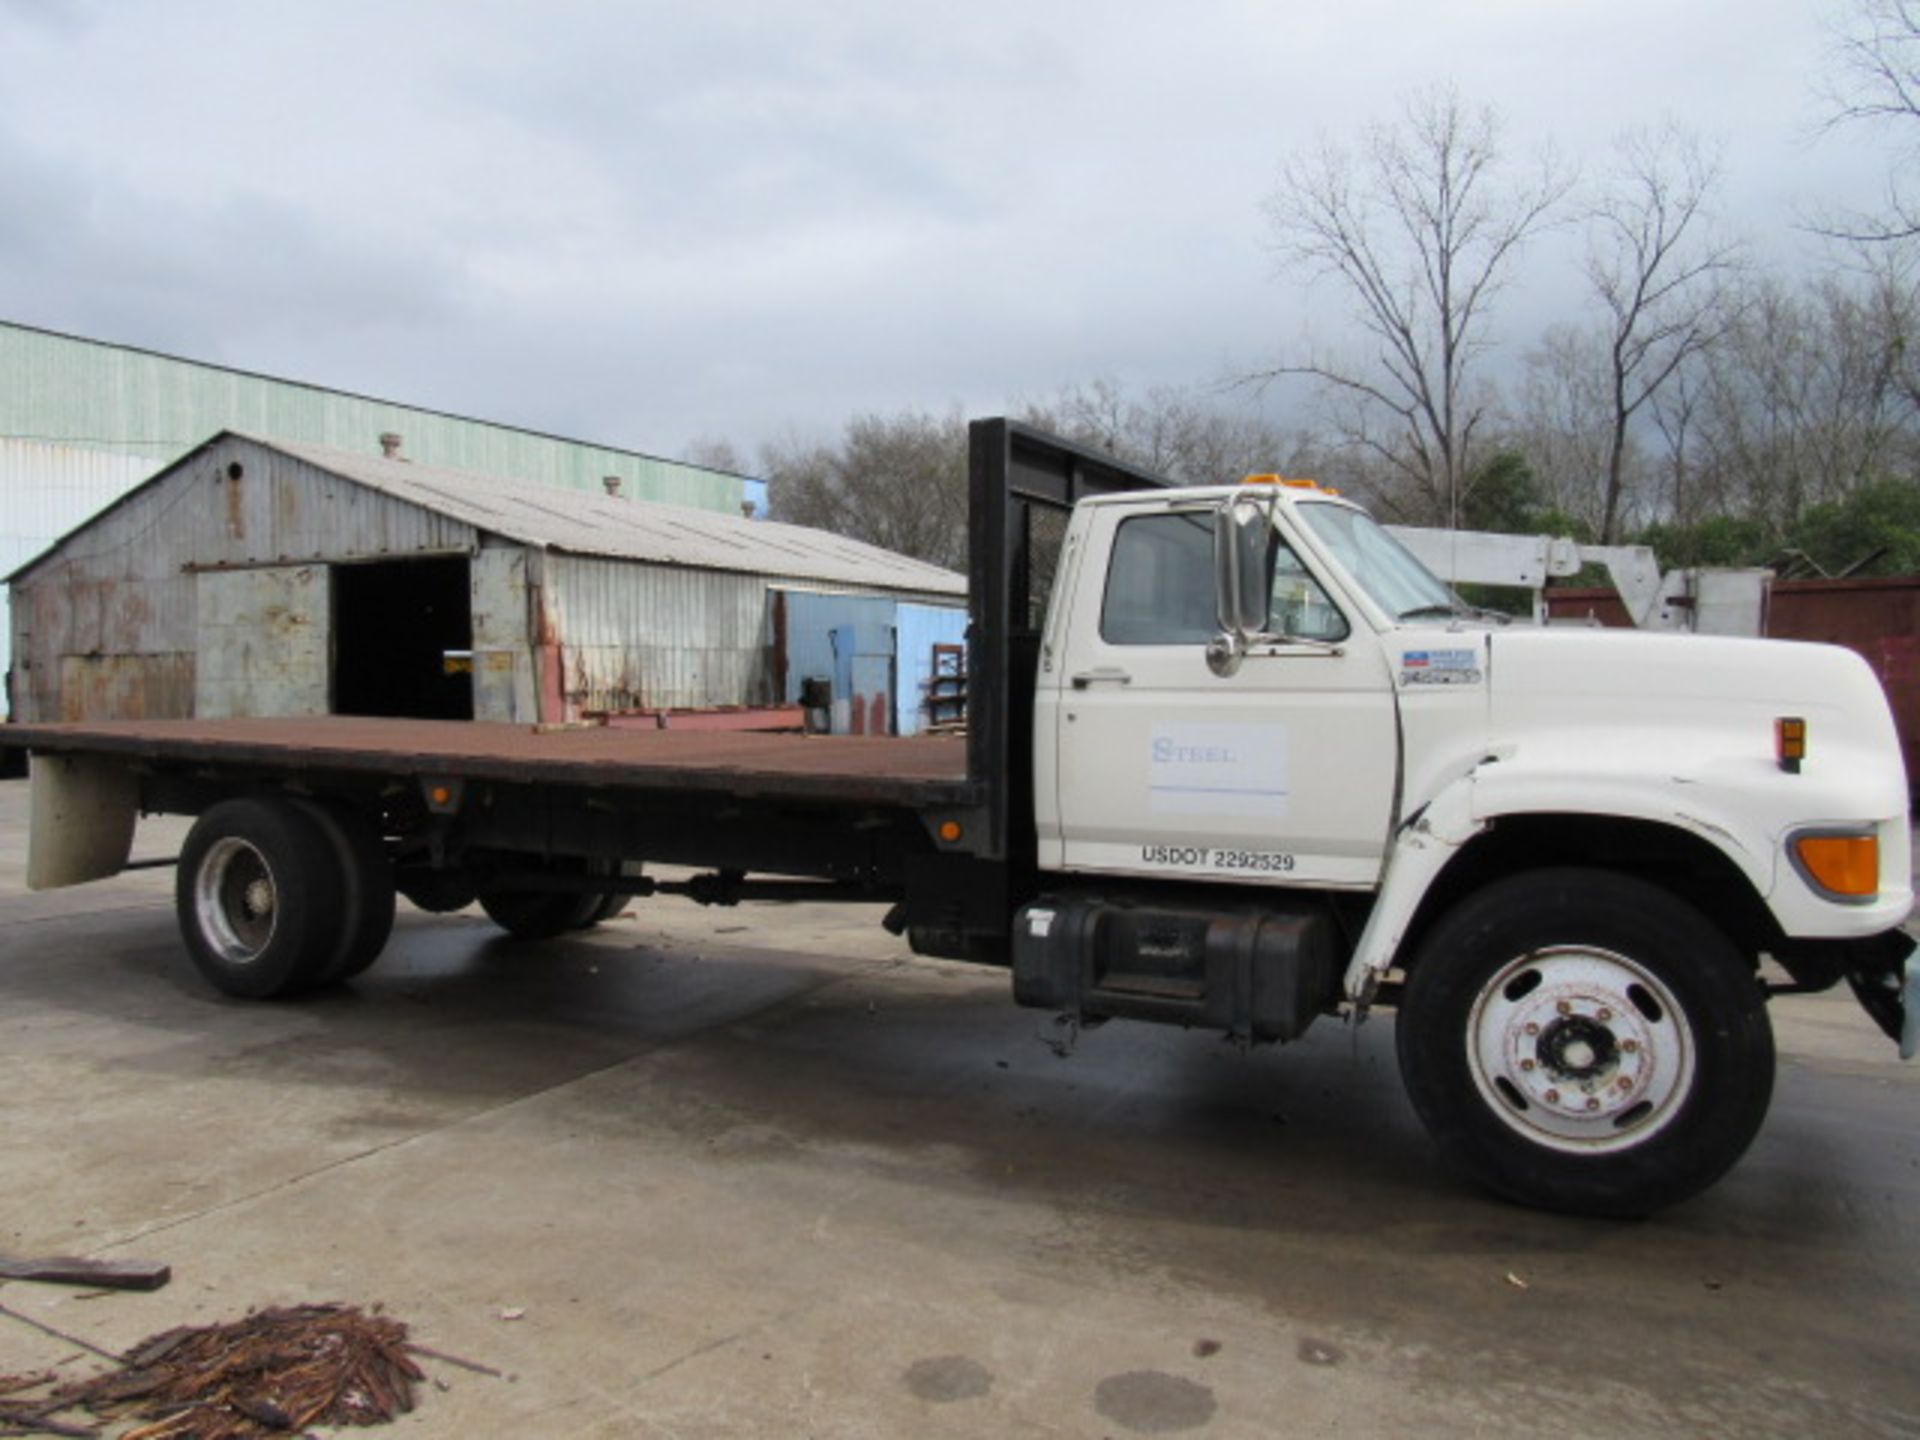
[1208, 769]
[1440, 667]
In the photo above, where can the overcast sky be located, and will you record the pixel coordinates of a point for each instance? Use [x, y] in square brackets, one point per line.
[643, 223]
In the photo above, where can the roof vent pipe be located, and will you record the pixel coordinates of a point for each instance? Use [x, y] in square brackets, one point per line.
[612, 482]
[390, 445]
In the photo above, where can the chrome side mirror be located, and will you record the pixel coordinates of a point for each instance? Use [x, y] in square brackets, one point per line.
[1242, 552]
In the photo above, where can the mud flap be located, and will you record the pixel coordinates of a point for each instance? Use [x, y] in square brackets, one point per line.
[83, 813]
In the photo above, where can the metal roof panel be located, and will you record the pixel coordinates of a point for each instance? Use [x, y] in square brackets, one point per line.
[585, 524]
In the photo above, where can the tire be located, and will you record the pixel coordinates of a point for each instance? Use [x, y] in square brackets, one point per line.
[615, 900]
[367, 910]
[260, 897]
[543, 914]
[538, 914]
[611, 904]
[438, 892]
[1586, 1042]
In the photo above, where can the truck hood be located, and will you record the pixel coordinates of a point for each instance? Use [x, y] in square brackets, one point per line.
[1701, 707]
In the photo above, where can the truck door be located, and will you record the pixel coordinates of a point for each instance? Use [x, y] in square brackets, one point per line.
[1286, 770]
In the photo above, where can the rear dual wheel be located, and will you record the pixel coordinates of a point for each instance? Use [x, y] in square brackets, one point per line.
[276, 895]
[366, 920]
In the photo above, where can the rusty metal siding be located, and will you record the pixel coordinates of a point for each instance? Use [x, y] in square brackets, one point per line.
[126, 687]
[634, 636]
[262, 642]
[45, 490]
[115, 589]
[124, 585]
[281, 510]
[625, 635]
[505, 681]
[556, 634]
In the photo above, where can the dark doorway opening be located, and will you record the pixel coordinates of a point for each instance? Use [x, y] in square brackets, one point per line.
[403, 639]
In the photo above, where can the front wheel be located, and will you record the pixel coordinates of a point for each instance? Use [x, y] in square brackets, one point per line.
[1585, 1041]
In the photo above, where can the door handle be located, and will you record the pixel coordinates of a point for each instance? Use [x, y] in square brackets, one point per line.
[1104, 675]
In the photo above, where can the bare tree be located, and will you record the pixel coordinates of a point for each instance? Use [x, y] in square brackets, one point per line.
[898, 481]
[1675, 412]
[1170, 430]
[714, 452]
[1880, 51]
[1658, 280]
[1560, 423]
[1804, 399]
[1422, 233]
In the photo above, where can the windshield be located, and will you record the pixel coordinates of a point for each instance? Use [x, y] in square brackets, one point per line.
[1378, 563]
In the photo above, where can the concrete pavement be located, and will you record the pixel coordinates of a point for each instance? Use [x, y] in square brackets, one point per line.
[756, 1172]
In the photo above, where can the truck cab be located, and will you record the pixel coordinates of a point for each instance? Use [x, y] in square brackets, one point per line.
[1281, 771]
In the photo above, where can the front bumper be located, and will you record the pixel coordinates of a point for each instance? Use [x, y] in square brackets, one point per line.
[1885, 975]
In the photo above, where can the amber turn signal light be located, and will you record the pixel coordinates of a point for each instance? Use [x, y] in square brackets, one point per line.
[1846, 867]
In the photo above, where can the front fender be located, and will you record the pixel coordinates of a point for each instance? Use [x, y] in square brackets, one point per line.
[1747, 819]
[1498, 788]
[1422, 848]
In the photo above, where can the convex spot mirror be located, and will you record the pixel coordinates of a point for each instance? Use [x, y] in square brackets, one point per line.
[1243, 551]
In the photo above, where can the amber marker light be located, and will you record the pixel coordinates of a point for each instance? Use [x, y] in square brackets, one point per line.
[441, 795]
[1842, 867]
[1790, 742]
[950, 831]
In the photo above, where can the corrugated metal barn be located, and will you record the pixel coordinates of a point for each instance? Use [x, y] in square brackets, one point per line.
[258, 577]
[84, 421]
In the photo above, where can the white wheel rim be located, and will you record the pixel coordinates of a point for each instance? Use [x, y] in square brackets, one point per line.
[1580, 1049]
[236, 901]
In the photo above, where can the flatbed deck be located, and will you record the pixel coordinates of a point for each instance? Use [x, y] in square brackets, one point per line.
[849, 769]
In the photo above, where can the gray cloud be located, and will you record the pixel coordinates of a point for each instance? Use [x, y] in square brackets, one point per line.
[650, 222]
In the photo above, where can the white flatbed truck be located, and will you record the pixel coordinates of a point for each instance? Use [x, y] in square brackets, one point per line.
[1248, 765]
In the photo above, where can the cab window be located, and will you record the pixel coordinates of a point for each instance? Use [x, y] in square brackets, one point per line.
[1160, 581]
[1160, 587]
[1299, 606]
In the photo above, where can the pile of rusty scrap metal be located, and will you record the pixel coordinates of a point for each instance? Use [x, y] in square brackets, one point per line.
[273, 1373]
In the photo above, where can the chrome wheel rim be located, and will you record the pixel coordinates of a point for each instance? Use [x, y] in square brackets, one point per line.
[1580, 1049]
[236, 901]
